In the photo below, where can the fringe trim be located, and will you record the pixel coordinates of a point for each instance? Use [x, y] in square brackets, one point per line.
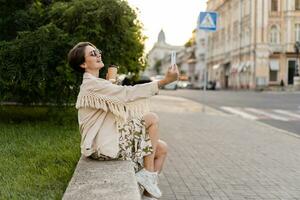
[138, 108]
[121, 111]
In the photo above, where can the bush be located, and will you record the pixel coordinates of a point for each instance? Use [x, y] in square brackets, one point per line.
[33, 66]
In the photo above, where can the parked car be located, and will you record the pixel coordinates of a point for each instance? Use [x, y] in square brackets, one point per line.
[128, 80]
[171, 86]
[184, 85]
[143, 79]
[210, 85]
[157, 77]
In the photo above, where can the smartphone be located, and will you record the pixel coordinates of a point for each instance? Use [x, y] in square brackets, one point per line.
[173, 58]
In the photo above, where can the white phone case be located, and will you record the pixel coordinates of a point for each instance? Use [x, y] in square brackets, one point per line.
[173, 58]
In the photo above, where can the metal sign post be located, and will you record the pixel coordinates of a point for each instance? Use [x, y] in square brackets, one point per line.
[207, 22]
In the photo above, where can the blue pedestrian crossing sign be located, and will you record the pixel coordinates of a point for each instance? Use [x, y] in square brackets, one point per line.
[208, 21]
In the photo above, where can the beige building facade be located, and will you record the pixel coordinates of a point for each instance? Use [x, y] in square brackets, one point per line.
[160, 51]
[253, 46]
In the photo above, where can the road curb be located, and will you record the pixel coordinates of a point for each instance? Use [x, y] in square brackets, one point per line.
[278, 129]
[165, 103]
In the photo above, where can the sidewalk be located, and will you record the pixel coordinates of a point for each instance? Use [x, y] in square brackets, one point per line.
[220, 157]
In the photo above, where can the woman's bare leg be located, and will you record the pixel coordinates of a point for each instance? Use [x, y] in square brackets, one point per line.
[154, 161]
[151, 120]
[160, 155]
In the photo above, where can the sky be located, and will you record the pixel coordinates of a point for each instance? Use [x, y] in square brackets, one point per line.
[177, 18]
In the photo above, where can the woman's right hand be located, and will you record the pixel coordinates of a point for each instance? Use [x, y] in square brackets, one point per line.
[171, 75]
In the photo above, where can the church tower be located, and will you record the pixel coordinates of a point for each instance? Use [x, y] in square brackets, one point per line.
[161, 37]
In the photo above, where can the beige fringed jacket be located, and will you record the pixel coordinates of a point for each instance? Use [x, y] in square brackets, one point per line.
[102, 106]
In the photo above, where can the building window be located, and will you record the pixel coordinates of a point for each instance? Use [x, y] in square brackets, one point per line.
[274, 35]
[297, 32]
[297, 4]
[202, 42]
[274, 5]
[202, 58]
[274, 68]
[273, 76]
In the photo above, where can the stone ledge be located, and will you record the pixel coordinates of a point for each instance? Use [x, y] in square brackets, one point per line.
[94, 179]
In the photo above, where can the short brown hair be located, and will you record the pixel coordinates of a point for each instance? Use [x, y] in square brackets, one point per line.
[76, 56]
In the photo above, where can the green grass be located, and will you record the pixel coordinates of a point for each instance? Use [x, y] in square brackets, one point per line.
[39, 150]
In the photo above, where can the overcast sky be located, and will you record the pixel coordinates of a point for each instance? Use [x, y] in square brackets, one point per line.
[177, 18]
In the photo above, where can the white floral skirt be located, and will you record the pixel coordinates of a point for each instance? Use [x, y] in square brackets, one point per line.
[134, 144]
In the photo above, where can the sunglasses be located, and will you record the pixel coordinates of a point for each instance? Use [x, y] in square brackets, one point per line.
[95, 53]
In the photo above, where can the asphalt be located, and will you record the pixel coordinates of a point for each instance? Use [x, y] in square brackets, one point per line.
[217, 156]
[241, 100]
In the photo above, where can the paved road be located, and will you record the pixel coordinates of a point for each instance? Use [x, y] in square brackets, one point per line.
[214, 156]
[278, 109]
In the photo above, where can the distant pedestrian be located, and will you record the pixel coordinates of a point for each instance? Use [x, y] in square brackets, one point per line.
[114, 120]
[282, 84]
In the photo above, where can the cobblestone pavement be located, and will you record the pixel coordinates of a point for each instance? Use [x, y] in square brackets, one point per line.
[220, 157]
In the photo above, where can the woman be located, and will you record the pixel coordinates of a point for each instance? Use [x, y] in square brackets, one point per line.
[114, 121]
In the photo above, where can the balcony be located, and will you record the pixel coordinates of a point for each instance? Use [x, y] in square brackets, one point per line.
[275, 48]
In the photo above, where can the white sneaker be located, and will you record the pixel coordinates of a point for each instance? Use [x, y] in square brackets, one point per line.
[149, 181]
[148, 198]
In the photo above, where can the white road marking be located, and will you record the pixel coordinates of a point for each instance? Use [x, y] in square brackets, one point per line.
[239, 113]
[269, 115]
[288, 113]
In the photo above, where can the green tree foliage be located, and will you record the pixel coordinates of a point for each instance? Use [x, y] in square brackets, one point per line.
[110, 25]
[21, 15]
[33, 65]
[192, 40]
[9, 13]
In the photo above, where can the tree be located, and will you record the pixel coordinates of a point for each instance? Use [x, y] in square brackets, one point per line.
[109, 24]
[192, 40]
[9, 10]
[33, 65]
